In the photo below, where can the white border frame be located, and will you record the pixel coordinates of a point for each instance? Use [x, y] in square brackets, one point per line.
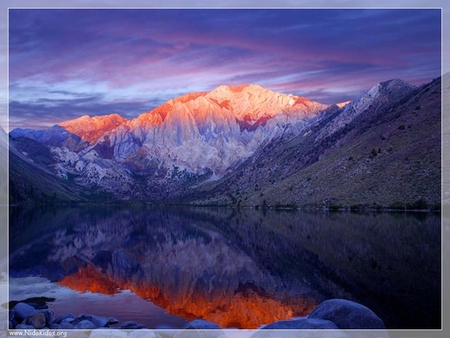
[318, 4]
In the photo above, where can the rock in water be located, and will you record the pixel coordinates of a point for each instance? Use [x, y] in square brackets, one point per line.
[22, 311]
[84, 324]
[49, 316]
[65, 325]
[304, 324]
[37, 320]
[64, 316]
[132, 325]
[112, 321]
[347, 315]
[200, 324]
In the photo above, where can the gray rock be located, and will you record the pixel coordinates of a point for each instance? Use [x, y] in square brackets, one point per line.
[200, 328]
[67, 320]
[22, 311]
[97, 321]
[304, 324]
[37, 320]
[100, 321]
[53, 326]
[112, 321]
[347, 315]
[200, 324]
[49, 315]
[84, 325]
[64, 316]
[65, 325]
[132, 325]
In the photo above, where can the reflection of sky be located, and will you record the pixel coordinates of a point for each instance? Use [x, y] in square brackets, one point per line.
[67, 63]
[123, 306]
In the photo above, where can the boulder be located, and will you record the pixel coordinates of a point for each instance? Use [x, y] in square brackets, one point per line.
[112, 321]
[347, 315]
[100, 321]
[302, 324]
[37, 320]
[84, 325]
[200, 324]
[65, 325]
[53, 326]
[49, 315]
[200, 328]
[96, 320]
[132, 325]
[22, 311]
[67, 320]
[64, 316]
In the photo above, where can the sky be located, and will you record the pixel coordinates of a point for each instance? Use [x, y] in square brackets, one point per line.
[65, 63]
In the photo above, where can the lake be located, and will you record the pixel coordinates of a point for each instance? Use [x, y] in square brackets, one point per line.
[238, 268]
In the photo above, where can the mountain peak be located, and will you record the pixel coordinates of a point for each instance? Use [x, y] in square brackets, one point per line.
[91, 128]
[239, 89]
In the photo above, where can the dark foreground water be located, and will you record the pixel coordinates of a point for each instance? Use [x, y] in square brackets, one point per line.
[238, 268]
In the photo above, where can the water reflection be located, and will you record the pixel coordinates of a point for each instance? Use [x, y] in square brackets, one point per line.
[238, 268]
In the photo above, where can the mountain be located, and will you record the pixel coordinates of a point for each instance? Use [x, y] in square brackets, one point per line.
[90, 129]
[383, 149]
[250, 146]
[199, 133]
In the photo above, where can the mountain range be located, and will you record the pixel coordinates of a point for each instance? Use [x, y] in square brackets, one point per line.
[243, 146]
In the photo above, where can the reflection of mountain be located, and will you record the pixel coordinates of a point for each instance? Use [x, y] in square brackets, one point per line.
[220, 263]
[245, 145]
[188, 269]
[246, 307]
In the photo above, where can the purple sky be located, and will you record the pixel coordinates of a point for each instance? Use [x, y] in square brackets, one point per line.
[68, 63]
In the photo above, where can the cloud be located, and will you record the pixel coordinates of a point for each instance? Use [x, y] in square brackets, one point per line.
[148, 56]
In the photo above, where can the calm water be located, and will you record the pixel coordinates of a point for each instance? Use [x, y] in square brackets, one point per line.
[237, 268]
